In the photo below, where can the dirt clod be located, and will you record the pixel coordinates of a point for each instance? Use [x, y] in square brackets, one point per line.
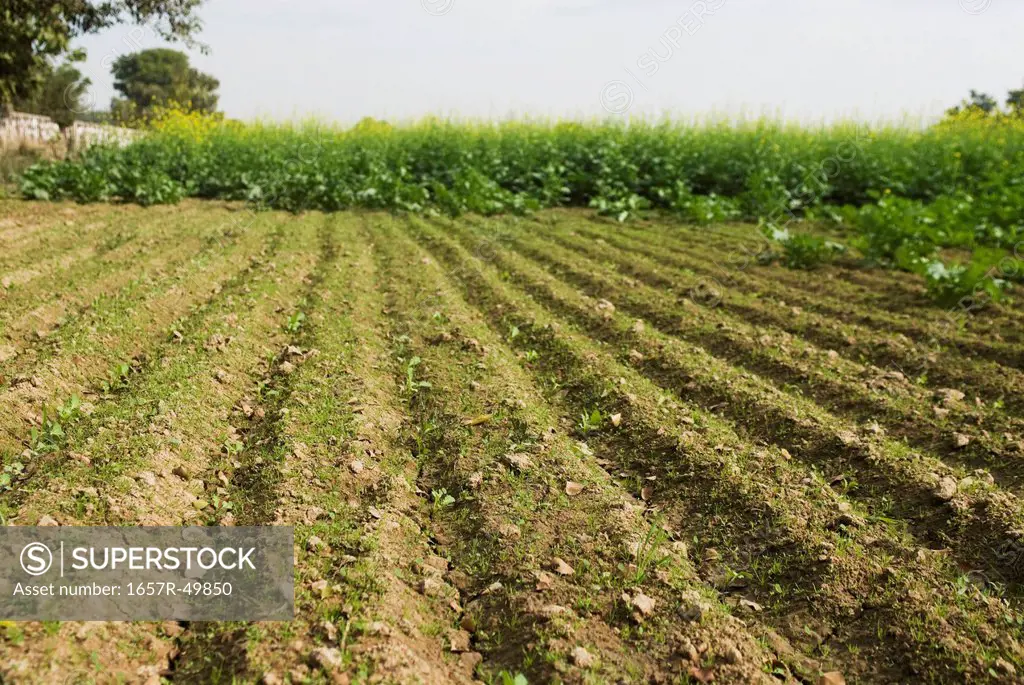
[561, 568]
[458, 641]
[946, 489]
[520, 461]
[582, 658]
[643, 604]
[326, 658]
[544, 581]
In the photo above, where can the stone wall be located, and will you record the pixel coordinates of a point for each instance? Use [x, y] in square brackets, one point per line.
[18, 130]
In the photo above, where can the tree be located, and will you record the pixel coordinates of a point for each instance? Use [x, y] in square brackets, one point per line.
[60, 96]
[1015, 101]
[34, 32]
[160, 77]
[983, 101]
[978, 101]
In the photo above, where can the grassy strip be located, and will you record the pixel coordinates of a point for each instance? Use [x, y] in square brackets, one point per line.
[505, 523]
[800, 547]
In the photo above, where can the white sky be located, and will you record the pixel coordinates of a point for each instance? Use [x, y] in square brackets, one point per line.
[394, 59]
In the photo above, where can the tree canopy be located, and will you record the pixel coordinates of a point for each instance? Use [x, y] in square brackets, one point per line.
[157, 78]
[34, 32]
[60, 95]
[984, 104]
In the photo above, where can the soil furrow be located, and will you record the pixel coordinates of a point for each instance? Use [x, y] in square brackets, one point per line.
[118, 332]
[738, 271]
[938, 424]
[899, 293]
[349, 484]
[27, 236]
[46, 453]
[500, 466]
[977, 519]
[860, 579]
[149, 457]
[35, 313]
[919, 360]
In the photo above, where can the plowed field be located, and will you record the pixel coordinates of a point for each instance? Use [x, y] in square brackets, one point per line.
[552, 446]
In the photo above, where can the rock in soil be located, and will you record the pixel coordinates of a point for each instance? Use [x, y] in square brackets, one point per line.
[582, 658]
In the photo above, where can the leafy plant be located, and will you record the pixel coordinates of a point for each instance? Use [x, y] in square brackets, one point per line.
[413, 386]
[895, 231]
[10, 472]
[591, 422]
[971, 285]
[804, 250]
[294, 323]
[117, 377]
[50, 435]
[441, 500]
[647, 551]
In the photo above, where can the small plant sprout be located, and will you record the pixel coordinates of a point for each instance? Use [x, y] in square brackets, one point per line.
[295, 322]
[413, 386]
[117, 377]
[441, 499]
[590, 422]
[647, 551]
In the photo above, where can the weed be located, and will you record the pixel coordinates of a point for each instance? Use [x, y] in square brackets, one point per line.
[952, 284]
[117, 378]
[50, 435]
[295, 322]
[441, 500]
[803, 250]
[590, 422]
[507, 678]
[647, 551]
[412, 386]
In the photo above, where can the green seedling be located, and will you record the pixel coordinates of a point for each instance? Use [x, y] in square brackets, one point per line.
[413, 386]
[591, 422]
[441, 500]
[295, 322]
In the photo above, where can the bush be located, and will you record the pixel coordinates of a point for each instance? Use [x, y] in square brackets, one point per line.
[971, 285]
[803, 250]
[771, 169]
